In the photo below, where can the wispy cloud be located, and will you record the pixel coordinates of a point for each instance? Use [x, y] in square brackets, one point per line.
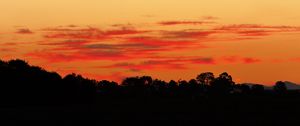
[209, 18]
[24, 31]
[52, 56]
[240, 59]
[162, 63]
[249, 60]
[89, 33]
[255, 29]
[170, 23]
[7, 49]
[297, 59]
[188, 34]
[126, 42]
[179, 63]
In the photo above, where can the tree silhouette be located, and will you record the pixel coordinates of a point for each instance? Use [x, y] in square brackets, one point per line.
[25, 83]
[222, 84]
[280, 87]
[137, 86]
[159, 84]
[173, 88]
[34, 91]
[183, 84]
[106, 87]
[20, 64]
[205, 78]
[147, 80]
[79, 87]
[172, 84]
[159, 87]
[193, 83]
[134, 82]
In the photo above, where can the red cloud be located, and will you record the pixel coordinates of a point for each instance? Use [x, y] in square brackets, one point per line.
[256, 26]
[188, 34]
[296, 59]
[146, 65]
[78, 56]
[159, 42]
[88, 41]
[7, 49]
[129, 48]
[66, 33]
[255, 30]
[254, 33]
[123, 31]
[238, 59]
[9, 44]
[24, 31]
[203, 61]
[162, 63]
[251, 60]
[89, 33]
[68, 44]
[209, 18]
[166, 23]
[126, 42]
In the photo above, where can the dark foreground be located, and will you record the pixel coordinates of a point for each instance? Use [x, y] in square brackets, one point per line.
[213, 110]
[31, 95]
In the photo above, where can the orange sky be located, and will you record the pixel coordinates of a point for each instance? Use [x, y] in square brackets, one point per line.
[255, 41]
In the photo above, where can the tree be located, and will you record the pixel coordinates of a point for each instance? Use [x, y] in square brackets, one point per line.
[79, 86]
[173, 87]
[193, 83]
[280, 87]
[2, 62]
[222, 84]
[147, 80]
[107, 87]
[172, 84]
[135, 82]
[205, 78]
[159, 85]
[18, 63]
[183, 84]
[136, 86]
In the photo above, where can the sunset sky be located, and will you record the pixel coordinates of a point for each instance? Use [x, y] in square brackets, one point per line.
[255, 41]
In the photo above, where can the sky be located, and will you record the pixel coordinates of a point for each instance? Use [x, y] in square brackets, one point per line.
[253, 40]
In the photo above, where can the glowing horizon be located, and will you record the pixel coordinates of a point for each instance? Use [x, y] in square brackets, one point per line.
[254, 41]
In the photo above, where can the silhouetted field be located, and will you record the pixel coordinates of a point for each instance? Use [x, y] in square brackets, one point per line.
[31, 95]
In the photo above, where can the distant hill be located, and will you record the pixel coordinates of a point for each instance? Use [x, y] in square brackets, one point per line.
[266, 87]
[292, 86]
[289, 85]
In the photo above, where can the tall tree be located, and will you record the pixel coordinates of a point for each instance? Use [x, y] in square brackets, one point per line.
[223, 83]
[205, 78]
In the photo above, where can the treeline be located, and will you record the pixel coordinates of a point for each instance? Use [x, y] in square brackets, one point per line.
[21, 82]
